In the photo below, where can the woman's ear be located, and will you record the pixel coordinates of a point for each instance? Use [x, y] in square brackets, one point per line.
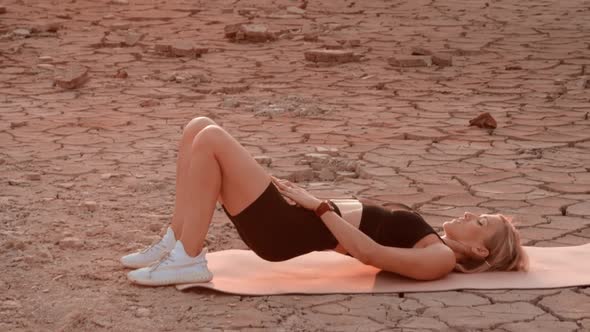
[480, 251]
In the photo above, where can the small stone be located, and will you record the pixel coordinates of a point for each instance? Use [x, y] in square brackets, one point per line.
[295, 10]
[50, 27]
[18, 183]
[65, 16]
[120, 26]
[33, 176]
[65, 185]
[330, 56]
[330, 151]
[442, 60]
[18, 124]
[410, 61]
[90, 205]
[254, 33]
[484, 120]
[45, 59]
[71, 243]
[73, 77]
[230, 103]
[263, 160]
[22, 32]
[142, 312]
[133, 38]
[121, 73]
[163, 48]
[183, 48]
[2, 9]
[247, 12]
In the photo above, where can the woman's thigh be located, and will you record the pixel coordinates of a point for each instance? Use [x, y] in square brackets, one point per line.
[243, 179]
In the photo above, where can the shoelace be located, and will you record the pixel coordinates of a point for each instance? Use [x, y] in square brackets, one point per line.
[154, 245]
[163, 261]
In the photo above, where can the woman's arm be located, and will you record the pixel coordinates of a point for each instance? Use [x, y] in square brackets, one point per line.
[428, 263]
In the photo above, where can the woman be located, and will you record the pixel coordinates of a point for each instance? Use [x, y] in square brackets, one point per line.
[279, 220]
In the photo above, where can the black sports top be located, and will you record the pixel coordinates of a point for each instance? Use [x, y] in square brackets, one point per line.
[394, 228]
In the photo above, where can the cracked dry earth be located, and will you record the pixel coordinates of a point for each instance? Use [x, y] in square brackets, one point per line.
[87, 174]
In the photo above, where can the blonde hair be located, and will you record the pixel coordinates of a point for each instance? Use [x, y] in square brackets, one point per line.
[505, 252]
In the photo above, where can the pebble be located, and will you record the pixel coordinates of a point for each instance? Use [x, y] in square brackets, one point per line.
[248, 32]
[18, 124]
[45, 58]
[65, 185]
[33, 176]
[331, 56]
[183, 48]
[411, 61]
[484, 120]
[50, 27]
[230, 103]
[263, 160]
[73, 77]
[133, 38]
[2, 9]
[65, 16]
[120, 26]
[22, 32]
[90, 205]
[71, 243]
[121, 73]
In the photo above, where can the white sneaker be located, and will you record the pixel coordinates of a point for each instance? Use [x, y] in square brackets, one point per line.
[175, 268]
[151, 254]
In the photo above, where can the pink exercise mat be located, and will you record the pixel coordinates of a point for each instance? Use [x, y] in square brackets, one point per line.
[242, 272]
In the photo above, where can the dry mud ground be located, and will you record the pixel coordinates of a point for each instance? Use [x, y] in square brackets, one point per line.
[87, 174]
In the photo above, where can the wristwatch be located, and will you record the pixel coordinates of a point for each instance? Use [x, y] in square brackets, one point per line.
[324, 207]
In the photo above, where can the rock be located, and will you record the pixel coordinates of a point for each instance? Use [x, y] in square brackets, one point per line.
[163, 48]
[33, 176]
[17, 183]
[49, 27]
[22, 32]
[142, 312]
[71, 243]
[183, 48]
[90, 205]
[73, 77]
[230, 103]
[18, 124]
[45, 59]
[330, 151]
[263, 160]
[249, 32]
[295, 10]
[65, 185]
[121, 73]
[120, 26]
[2, 9]
[133, 38]
[247, 12]
[410, 61]
[65, 16]
[484, 120]
[331, 56]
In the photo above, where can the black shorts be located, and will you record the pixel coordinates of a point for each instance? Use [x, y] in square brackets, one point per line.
[278, 231]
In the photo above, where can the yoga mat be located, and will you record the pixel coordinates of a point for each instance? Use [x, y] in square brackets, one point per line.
[327, 272]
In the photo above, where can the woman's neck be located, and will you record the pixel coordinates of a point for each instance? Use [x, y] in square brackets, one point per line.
[458, 248]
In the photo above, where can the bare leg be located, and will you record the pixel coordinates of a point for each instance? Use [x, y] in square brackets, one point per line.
[183, 200]
[219, 165]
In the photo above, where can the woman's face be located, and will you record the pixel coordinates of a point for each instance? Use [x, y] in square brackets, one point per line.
[473, 230]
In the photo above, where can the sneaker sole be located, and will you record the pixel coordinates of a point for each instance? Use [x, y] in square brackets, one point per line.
[167, 282]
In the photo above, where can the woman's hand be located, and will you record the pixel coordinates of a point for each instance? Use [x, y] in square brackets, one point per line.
[296, 194]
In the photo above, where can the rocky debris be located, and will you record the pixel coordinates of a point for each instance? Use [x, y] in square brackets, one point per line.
[121, 73]
[133, 38]
[263, 160]
[331, 56]
[292, 104]
[256, 33]
[18, 124]
[329, 168]
[91, 206]
[410, 61]
[72, 77]
[180, 49]
[230, 103]
[33, 176]
[71, 242]
[65, 16]
[484, 120]
[22, 32]
[440, 59]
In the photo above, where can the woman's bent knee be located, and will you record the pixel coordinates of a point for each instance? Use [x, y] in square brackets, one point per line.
[195, 125]
[209, 137]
